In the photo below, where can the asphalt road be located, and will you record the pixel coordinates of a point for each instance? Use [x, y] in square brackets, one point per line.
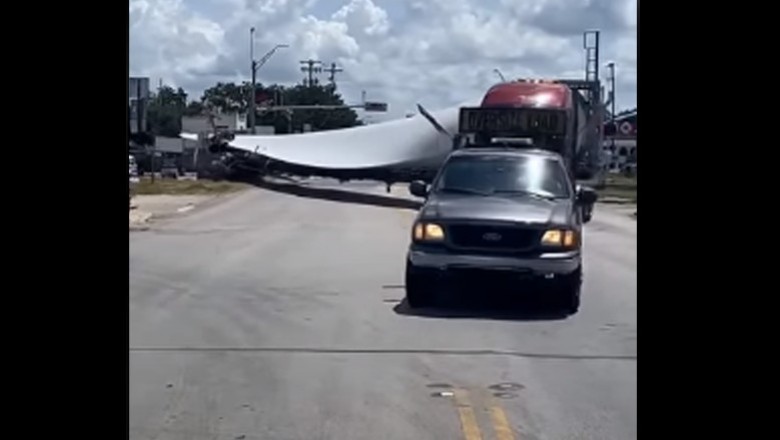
[278, 316]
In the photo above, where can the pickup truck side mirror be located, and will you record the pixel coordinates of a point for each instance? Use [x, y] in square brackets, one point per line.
[583, 175]
[586, 198]
[586, 195]
[418, 188]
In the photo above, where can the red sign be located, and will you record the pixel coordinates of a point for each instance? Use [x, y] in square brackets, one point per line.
[262, 97]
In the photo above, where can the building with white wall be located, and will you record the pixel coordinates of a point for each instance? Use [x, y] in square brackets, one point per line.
[232, 121]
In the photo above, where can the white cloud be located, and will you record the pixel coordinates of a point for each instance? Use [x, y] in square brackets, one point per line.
[326, 39]
[364, 18]
[190, 41]
[437, 52]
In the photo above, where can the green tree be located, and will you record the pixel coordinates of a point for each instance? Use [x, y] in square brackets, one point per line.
[165, 110]
[227, 97]
[320, 119]
[233, 97]
[194, 108]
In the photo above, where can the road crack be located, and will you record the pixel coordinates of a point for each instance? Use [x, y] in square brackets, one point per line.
[370, 351]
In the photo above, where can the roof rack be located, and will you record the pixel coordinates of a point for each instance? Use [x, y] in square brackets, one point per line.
[462, 141]
[537, 81]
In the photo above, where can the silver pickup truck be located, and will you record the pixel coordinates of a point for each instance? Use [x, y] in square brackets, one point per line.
[499, 216]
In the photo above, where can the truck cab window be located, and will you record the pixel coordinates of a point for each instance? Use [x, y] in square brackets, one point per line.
[499, 174]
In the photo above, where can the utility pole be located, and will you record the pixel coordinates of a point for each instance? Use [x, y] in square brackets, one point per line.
[333, 70]
[311, 67]
[254, 77]
[611, 67]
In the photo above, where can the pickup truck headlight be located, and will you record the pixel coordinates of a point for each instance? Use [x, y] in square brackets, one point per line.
[564, 238]
[428, 232]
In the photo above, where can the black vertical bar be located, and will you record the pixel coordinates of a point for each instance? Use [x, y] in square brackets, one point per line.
[139, 112]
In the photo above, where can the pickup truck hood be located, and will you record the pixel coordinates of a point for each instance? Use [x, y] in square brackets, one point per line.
[509, 208]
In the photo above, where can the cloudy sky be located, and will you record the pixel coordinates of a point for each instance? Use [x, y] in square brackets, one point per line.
[435, 52]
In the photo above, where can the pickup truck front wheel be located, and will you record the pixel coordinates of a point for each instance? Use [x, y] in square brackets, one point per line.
[570, 302]
[419, 289]
[568, 293]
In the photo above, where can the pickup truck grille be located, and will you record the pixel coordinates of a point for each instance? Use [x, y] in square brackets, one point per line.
[489, 237]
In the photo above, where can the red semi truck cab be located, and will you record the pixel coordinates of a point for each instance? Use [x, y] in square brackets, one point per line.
[529, 94]
[550, 115]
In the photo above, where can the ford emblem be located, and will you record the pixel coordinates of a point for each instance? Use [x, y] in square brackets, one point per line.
[492, 236]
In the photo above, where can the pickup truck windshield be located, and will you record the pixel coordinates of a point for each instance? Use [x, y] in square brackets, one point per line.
[487, 175]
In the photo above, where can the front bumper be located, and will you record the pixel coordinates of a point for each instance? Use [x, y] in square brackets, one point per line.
[450, 272]
[559, 263]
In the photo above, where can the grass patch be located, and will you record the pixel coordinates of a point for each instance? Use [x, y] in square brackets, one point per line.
[619, 186]
[186, 187]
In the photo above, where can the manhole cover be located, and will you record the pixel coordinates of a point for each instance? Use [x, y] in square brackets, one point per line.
[506, 386]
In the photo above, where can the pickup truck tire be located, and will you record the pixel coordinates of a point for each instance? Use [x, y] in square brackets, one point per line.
[419, 292]
[568, 294]
[570, 303]
[587, 213]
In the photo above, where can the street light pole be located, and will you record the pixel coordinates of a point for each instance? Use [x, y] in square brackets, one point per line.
[254, 66]
[500, 75]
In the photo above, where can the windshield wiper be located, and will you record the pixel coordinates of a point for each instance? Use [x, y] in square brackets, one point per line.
[464, 191]
[525, 193]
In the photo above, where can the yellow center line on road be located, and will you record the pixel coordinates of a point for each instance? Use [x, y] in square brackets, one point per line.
[500, 422]
[468, 420]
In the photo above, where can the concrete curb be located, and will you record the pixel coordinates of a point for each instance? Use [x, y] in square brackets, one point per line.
[139, 220]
